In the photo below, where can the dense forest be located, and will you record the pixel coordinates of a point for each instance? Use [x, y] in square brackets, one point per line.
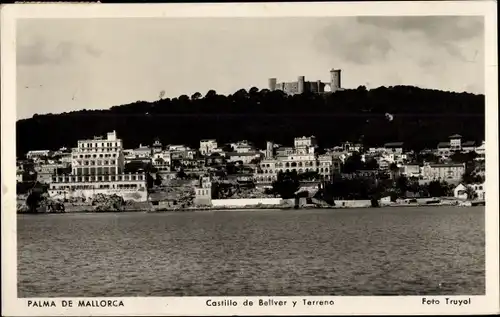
[419, 117]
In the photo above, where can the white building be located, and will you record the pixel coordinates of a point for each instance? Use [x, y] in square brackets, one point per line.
[394, 148]
[481, 150]
[305, 145]
[324, 165]
[157, 146]
[98, 167]
[445, 172]
[178, 148]
[456, 142]
[36, 154]
[244, 157]
[162, 161]
[143, 151]
[98, 156]
[208, 146]
[460, 191]
[411, 170]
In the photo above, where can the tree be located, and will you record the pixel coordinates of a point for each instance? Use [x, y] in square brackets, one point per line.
[371, 164]
[33, 201]
[286, 184]
[394, 169]
[471, 193]
[149, 181]
[181, 174]
[255, 161]
[353, 163]
[309, 176]
[158, 179]
[196, 96]
[162, 94]
[437, 189]
[468, 177]
[402, 185]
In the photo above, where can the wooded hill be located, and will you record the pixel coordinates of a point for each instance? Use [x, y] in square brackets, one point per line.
[419, 117]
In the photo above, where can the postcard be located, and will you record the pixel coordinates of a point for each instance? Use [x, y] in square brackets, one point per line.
[250, 159]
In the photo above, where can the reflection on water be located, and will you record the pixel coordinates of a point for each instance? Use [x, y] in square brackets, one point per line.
[407, 251]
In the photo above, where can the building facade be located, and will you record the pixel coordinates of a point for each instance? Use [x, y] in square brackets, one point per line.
[324, 165]
[207, 146]
[305, 145]
[98, 168]
[443, 172]
[203, 192]
[98, 156]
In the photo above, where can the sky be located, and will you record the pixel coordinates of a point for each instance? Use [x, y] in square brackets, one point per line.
[72, 64]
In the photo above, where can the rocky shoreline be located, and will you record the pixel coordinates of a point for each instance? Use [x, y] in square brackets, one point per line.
[116, 204]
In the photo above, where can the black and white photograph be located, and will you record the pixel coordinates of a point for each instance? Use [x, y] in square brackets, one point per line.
[258, 164]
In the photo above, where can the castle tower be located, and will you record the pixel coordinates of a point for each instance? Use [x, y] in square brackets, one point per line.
[272, 84]
[301, 84]
[335, 82]
[269, 149]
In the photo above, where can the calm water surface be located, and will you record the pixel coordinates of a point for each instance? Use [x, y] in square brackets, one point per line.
[407, 251]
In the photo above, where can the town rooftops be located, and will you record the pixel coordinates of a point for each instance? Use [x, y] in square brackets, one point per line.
[455, 136]
[469, 144]
[443, 145]
[242, 154]
[393, 144]
[447, 165]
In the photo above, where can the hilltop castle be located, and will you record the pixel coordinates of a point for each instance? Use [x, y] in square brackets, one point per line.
[301, 85]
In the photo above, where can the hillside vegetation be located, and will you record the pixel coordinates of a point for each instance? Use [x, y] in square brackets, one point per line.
[420, 118]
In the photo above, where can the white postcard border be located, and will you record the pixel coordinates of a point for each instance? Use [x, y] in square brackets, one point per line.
[346, 305]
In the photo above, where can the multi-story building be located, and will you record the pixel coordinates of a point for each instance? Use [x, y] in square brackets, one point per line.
[98, 168]
[284, 151]
[157, 146]
[245, 157]
[443, 149]
[468, 146]
[162, 161]
[444, 172]
[45, 172]
[37, 154]
[480, 150]
[324, 165]
[204, 192]
[301, 85]
[98, 156]
[207, 146]
[411, 170]
[305, 145]
[143, 151]
[269, 150]
[351, 147]
[178, 148]
[394, 147]
[456, 142]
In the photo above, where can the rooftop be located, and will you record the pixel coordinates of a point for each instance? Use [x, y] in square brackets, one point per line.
[469, 143]
[443, 145]
[393, 144]
[447, 165]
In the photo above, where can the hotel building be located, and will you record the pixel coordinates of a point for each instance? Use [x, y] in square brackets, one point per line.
[98, 168]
